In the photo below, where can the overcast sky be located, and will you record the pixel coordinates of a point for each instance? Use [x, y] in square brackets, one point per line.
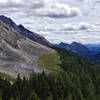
[57, 20]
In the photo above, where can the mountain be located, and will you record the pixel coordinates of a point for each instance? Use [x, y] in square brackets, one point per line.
[21, 29]
[19, 54]
[73, 78]
[94, 47]
[77, 48]
[96, 57]
[9, 22]
[33, 36]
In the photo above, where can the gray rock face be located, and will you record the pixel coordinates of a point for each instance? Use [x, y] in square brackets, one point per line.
[24, 31]
[19, 54]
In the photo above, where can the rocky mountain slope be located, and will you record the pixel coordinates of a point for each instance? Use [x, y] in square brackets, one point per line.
[21, 29]
[19, 54]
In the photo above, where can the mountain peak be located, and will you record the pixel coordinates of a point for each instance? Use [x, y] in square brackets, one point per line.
[9, 22]
[4, 17]
[20, 25]
[76, 43]
[24, 31]
[63, 43]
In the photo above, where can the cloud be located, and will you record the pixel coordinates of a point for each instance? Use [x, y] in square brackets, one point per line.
[69, 27]
[79, 0]
[79, 26]
[50, 28]
[97, 1]
[22, 4]
[84, 26]
[60, 11]
[39, 8]
[10, 3]
[21, 8]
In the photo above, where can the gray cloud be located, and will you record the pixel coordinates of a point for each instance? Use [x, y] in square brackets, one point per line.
[97, 1]
[79, 26]
[22, 3]
[60, 11]
[39, 8]
[79, 0]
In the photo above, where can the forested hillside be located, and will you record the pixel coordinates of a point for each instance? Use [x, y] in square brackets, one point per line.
[76, 79]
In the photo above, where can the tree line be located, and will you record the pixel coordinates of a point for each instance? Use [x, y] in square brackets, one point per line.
[78, 79]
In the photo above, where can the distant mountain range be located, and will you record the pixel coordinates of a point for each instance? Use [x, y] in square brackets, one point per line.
[94, 47]
[21, 29]
[77, 48]
[91, 52]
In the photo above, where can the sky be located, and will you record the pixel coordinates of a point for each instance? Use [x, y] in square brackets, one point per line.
[57, 20]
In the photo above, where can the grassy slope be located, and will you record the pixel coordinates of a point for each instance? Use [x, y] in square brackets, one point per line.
[65, 58]
[50, 61]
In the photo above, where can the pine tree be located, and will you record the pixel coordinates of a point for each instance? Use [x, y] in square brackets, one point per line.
[69, 96]
[33, 96]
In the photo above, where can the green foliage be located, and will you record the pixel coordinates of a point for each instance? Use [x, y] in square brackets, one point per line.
[50, 61]
[33, 96]
[7, 77]
[77, 79]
